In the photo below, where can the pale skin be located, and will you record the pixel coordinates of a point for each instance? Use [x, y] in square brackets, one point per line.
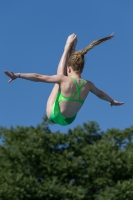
[64, 82]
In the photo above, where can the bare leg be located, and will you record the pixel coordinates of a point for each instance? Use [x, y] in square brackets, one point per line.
[61, 70]
[62, 67]
[72, 50]
[53, 95]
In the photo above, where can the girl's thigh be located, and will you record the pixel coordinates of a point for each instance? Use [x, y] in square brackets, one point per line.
[51, 100]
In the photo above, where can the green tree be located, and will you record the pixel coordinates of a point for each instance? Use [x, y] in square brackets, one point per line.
[84, 164]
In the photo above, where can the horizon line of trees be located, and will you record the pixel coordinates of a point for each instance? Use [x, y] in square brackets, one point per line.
[84, 164]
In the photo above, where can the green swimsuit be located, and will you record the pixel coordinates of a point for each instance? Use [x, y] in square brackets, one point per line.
[56, 117]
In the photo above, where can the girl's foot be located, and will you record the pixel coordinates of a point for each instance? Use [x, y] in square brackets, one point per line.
[70, 40]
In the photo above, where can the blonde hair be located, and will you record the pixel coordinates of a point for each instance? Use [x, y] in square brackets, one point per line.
[76, 60]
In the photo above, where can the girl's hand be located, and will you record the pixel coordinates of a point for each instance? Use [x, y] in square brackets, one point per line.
[116, 103]
[11, 75]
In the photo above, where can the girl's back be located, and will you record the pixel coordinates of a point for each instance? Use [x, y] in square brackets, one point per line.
[73, 92]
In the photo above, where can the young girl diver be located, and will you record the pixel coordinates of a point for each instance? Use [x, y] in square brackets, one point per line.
[70, 90]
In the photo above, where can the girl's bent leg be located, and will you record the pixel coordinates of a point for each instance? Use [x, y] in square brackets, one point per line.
[61, 70]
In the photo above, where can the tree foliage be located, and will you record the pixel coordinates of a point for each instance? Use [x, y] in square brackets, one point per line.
[84, 164]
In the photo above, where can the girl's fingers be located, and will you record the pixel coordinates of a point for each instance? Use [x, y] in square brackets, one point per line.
[122, 103]
[10, 81]
[117, 104]
[10, 74]
[7, 73]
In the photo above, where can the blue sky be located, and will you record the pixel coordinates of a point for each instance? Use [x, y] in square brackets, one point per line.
[32, 38]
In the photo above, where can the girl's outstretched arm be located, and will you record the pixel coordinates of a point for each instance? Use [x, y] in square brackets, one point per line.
[34, 77]
[71, 41]
[104, 96]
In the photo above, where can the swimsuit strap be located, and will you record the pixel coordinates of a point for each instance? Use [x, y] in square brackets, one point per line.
[62, 97]
[78, 88]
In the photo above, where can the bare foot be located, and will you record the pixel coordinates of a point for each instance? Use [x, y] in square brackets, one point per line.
[70, 40]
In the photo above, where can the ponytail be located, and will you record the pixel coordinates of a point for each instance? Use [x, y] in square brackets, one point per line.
[76, 60]
[94, 43]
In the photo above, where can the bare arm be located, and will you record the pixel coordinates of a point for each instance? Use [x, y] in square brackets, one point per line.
[35, 77]
[71, 40]
[103, 95]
